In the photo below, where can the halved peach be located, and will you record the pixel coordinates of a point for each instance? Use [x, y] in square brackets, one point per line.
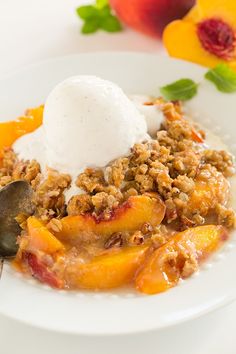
[107, 271]
[166, 265]
[39, 238]
[130, 216]
[181, 37]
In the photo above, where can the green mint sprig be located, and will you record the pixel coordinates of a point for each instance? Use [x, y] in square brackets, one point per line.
[183, 90]
[98, 16]
[222, 76]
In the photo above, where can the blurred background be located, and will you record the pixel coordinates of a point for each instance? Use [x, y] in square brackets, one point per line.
[32, 30]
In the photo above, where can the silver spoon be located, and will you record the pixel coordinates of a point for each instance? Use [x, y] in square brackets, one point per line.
[15, 198]
[1, 267]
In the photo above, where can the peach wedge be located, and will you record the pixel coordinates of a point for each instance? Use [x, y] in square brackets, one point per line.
[39, 238]
[12, 130]
[179, 258]
[208, 193]
[106, 271]
[41, 271]
[130, 216]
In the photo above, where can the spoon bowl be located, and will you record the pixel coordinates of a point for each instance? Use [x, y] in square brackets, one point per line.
[15, 198]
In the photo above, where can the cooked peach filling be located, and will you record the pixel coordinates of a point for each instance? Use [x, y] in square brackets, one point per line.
[148, 220]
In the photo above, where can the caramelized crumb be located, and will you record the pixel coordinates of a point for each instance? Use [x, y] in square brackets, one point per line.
[137, 238]
[226, 216]
[80, 204]
[115, 240]
[54, 225]
[91, 180]
[222, 160]
[49, 195]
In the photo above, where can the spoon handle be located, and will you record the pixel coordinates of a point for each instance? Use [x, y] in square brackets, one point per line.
[1, 266]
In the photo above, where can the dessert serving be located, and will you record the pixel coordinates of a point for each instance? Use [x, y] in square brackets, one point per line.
[120, 191]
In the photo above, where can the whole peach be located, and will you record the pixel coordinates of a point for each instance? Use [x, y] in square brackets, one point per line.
[150, 16]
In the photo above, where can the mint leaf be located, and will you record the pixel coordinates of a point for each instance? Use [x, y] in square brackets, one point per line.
[98, 16]
[183, 90]
[90, 26]
[223, 77]
[104, 12]
[111, 24]
[102, 3]
[87, 11]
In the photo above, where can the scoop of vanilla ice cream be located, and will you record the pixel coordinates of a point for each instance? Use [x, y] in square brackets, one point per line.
[87, 122]
[152, 113]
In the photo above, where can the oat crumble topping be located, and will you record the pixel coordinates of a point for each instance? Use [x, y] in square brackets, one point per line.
[172, 165]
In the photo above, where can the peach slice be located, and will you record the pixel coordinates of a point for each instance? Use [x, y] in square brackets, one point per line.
[179, 258]
[106, 271]
[40, 271]
[39, 238]
[12, 130]
[130, 216]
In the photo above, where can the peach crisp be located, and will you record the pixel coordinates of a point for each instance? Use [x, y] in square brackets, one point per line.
[147, 219]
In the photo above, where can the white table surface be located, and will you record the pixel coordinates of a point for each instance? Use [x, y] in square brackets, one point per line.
[34, 30]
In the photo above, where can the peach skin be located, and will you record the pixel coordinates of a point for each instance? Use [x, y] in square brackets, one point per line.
[150, 16]
[129, 216]
[41, 272]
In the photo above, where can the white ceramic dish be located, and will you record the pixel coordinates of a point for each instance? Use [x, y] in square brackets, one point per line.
[120, 312]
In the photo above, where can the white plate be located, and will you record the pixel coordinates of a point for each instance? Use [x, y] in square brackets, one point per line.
[120, 312]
